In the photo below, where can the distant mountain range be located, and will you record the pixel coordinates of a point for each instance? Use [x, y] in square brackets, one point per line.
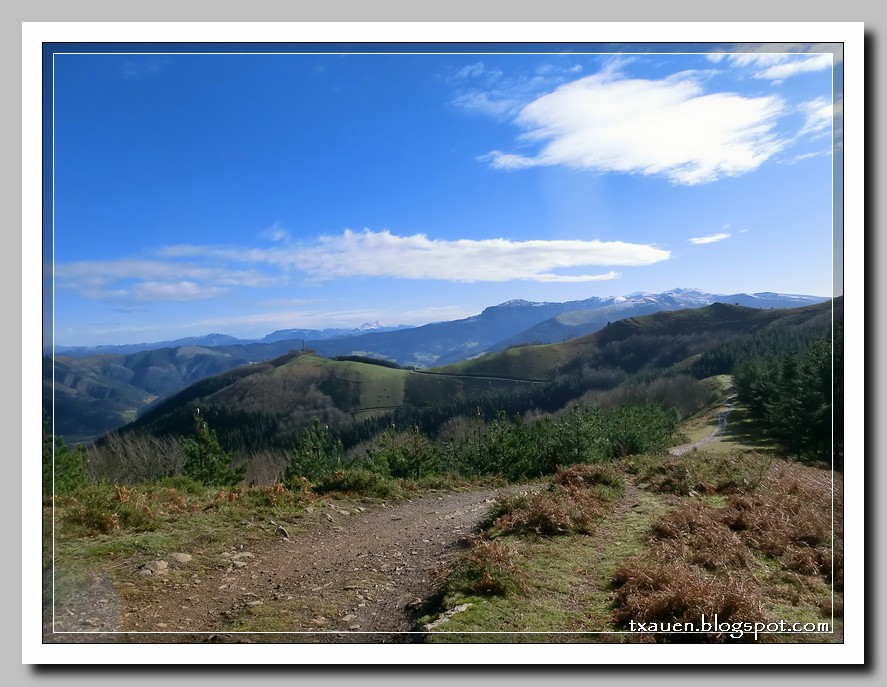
[92, 390]
[270, 404]
[211, 340]
[519, 321]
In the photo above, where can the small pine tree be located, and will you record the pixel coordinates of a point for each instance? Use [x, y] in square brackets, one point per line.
[420, 454]
[316, 454]
[206, 462]
[65, 464]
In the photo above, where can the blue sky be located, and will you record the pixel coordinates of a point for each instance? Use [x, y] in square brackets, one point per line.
[242, 194]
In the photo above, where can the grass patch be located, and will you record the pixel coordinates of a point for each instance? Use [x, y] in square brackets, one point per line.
[742, 433]
[566, 579]
[104, 524]
[721, 385]
[606, 479]
[363, 483]
[559, 511]
[702, 472]
[742, 536]
[103, 508]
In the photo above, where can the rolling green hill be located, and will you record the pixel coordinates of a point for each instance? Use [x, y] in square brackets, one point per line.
[270, 403]
[88, 392]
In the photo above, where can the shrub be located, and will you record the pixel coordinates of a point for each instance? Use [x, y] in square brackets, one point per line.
[266, 466]
[181, 483]
[274, 495]
[102, 508]
[359, 481]
[401, 454]
[561, 510]
[135, 458]
[589, 476]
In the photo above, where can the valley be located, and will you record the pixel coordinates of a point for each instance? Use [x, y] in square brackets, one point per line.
[89, 392]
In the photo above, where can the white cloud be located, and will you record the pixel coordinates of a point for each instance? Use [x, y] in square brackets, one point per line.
[712, 238]
[382, 254]
[488, 103]
[490, 92]
[351, 254]
[777, 63]
[807, 156]
[819, 114]
[669, 128]
[152, 280]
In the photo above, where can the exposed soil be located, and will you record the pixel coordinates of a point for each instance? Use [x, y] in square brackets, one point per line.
[355, 574]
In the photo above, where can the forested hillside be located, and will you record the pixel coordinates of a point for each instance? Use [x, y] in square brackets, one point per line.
[657, 357]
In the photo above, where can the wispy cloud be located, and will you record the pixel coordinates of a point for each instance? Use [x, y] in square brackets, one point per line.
[175, 276]
[153, 291]
[275, 233]
[471, 71]
[383, 254]
[669, 128]
[487, 90]
[711, 238]
[778, 61]
[152, 280]
[819, 114]
[288, 302]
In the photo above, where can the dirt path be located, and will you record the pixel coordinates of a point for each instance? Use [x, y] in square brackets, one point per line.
[715, 433]
[352, 572]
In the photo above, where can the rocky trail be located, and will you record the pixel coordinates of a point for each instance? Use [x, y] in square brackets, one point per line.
[354, 574]
[344, 573]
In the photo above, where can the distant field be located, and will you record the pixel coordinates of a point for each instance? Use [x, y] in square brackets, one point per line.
[354, 386]
[365, 389]
[538, 363]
